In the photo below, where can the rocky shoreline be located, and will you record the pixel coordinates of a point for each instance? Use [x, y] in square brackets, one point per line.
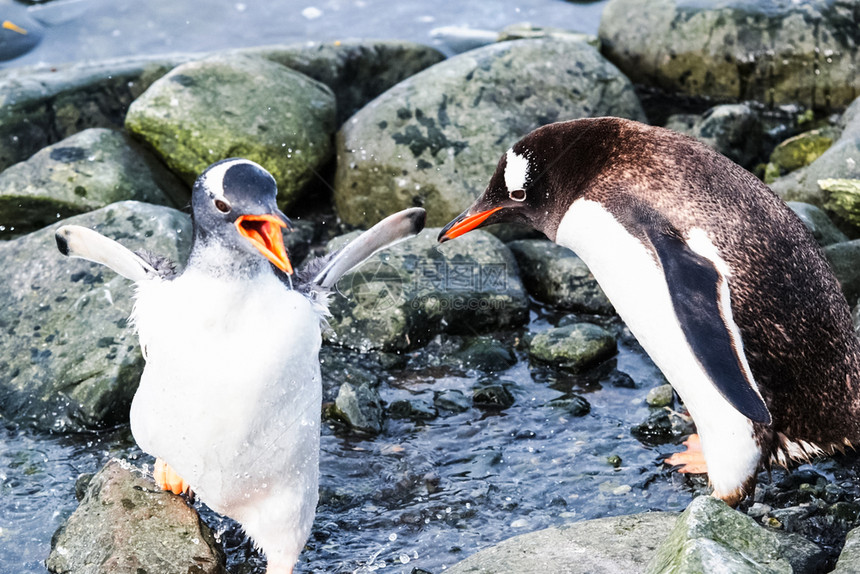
[355, 130]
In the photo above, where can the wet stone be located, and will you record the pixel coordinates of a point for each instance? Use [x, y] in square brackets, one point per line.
[81, 173]
[573, 347]
[452, 400]
[203, 111]
[126, 525]
[849, 559]
[555, 275]
[40, 107]
[734, 130]
[662, 396]
[574, 405]
[842, 198]
[359, 407]
[711, 537]
[663, 426]
[492, 396]
[486, 354]
[415, 410]
[434, 139]
[768, 52]
[70, 359]
[404, 296]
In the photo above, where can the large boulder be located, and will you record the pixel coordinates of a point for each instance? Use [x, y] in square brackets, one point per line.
[39, 107]
[711, 537]
[69, 360]
[406, 295]
[84, 172]
[771, 51]
[126, 525]
[600, 546]
[356, 70]
[236, 105]
[434, 139]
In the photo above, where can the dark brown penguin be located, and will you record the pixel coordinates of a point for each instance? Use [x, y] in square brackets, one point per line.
[716, 277]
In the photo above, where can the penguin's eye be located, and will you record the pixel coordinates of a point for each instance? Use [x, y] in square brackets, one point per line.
[222, 206]
[517, 194]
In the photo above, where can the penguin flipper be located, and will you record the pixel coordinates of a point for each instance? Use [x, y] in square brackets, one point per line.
[77, 241]
[393, 229]
[701, 300]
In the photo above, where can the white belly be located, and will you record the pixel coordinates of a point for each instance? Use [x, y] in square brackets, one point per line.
[634, 282]
[230, 396]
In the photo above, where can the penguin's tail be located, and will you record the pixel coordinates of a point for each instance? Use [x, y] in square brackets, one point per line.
[77, 241]
[391, 230]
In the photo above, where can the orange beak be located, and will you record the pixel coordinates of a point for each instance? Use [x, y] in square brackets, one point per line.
[264, 232]
[460, 226]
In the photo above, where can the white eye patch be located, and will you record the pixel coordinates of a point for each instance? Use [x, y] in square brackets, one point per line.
[516, 171]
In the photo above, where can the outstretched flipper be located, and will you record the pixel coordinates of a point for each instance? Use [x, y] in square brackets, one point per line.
[391, 230]
[77, 241]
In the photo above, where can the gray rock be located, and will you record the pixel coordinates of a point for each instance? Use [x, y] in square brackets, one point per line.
[711, 537]
[776, 53]
[486, 354]
[356, 70]
[822, 227]
[405, 295]
[452, 400]
[555, 275]
[492, 396]
[84, 172]
[126, 525]
[68, 358]
[733, 130]
[573, 347]
[600, 546]
[226, 106]
[435, 138]
[844, 258]
[39, 107]
[359, 407]
[663, 426]
[840, 161]
[849, 559]
[662, 396]
[575, 405]
[415, 410]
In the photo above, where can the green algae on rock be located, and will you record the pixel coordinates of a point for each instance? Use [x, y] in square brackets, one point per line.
[573, 347]
[81, 173]
[126, 525]
[434, 139]
[238, 106]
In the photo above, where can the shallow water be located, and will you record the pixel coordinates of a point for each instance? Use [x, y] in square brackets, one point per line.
[97, 29]
[422, 494]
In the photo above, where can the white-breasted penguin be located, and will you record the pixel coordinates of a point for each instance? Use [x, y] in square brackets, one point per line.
[719, 281]
[230, 397]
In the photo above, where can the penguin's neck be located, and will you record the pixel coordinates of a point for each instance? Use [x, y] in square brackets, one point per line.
[218, 259]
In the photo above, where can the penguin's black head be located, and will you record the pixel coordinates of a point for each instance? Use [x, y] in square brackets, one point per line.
[234, 202]
[519, 191]
[535, 182]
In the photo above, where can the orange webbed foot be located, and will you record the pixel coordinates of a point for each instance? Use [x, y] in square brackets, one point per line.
[692, 460]
[167, 479]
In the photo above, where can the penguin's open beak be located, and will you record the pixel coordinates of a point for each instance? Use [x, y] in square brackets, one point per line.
[464, 223]
[264, 233]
